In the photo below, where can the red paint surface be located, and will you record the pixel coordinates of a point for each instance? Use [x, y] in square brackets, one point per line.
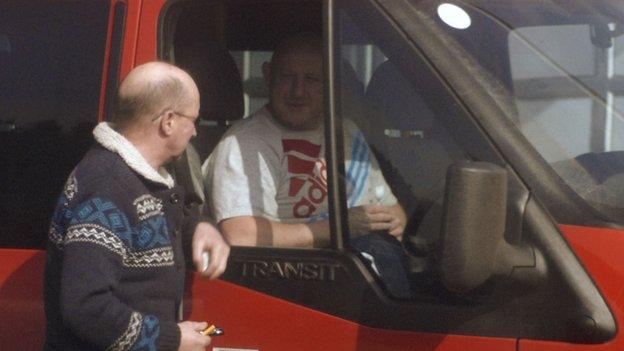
[22, 322]
[131, 32]
[147, 31]
[259, 321]
[105, 69]
[250, 319]
[601, 251]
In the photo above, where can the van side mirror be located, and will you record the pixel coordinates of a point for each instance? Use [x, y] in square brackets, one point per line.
[472, 243]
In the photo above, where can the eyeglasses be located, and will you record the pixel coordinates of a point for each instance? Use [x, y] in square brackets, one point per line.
[194, 120]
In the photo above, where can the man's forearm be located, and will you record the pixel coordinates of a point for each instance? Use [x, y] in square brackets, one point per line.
[258, 231]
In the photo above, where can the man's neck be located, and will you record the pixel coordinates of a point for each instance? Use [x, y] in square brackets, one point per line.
[317, 125]
[150, 151]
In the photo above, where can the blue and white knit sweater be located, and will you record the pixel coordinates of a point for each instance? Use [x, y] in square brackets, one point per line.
[115, 267]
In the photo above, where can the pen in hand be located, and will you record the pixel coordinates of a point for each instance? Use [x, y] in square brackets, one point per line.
[212, 330]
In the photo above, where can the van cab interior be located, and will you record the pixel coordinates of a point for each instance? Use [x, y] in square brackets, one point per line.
[498, 129]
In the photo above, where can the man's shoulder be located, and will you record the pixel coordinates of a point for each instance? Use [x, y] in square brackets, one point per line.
[101, 170]
[257, 123]
[256, 131]
[99, 161]
[350, 127]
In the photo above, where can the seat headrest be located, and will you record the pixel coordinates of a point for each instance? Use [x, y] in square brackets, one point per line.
[217, 77]
[390, 92]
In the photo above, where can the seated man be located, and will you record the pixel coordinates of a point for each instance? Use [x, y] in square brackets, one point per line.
[267, 178]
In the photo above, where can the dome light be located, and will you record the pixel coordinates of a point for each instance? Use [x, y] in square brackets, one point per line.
[454, 16]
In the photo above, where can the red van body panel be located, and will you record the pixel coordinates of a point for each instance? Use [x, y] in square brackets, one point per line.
[261, 322]
[600, 251]
[147, 45]
[277, 324]
[22, 326]
[131, 34]
[252, 319]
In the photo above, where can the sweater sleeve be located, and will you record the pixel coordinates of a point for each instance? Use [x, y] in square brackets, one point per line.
[93, 256]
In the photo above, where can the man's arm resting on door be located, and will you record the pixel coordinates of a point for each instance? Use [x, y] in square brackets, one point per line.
[259, 231]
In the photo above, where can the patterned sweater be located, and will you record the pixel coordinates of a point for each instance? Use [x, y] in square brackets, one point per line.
[115, 267]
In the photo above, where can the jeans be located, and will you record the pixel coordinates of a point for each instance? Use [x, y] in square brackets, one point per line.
[388, 259]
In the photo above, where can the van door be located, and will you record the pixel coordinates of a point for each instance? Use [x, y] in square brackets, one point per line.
[415, 121]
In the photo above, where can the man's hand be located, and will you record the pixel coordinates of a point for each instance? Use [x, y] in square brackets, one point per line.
[208, 239]
[366, 219]
[190, 337]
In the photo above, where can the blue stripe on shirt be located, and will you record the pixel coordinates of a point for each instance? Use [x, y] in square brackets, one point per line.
[359, 169]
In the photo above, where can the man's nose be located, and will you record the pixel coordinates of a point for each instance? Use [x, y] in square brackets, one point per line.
[298, 87]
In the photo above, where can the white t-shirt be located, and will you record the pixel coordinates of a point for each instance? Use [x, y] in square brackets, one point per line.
[260, 168]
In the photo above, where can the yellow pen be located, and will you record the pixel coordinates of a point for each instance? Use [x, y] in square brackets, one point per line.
[212, 330]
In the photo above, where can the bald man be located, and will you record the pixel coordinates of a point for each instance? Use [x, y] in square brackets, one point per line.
[115, 265]
[267, 179]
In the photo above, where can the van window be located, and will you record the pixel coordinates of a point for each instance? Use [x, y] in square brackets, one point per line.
[51, 57]
[396, 148]
[555, 69]
[567, 83]
[255, 92]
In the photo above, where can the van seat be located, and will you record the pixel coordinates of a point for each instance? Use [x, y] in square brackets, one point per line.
[220, 89]
[221, 103]
[414, 151]
[408, 124]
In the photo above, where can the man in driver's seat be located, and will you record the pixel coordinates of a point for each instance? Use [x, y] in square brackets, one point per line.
[267, 179]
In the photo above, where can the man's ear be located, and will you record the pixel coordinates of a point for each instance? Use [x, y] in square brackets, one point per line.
[167, 123]
[266, 73]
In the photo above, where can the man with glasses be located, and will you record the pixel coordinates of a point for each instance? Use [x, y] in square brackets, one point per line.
[115, 262]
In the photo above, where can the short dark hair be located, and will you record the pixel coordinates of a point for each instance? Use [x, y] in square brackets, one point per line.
[296, 41]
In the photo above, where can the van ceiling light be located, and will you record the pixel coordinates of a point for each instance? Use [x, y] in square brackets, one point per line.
[454, 16]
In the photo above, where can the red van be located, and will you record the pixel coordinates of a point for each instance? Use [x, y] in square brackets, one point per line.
[495, 123]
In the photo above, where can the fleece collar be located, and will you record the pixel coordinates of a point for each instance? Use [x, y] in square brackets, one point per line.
[117, 143]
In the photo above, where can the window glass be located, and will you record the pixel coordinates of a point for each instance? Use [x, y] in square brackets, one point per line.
[396, 154]
[249, 65]
[255, 166]
[560, 66]
[569, 100]
[51, 56]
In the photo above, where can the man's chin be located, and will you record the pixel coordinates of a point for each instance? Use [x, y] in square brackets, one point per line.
[303, 122]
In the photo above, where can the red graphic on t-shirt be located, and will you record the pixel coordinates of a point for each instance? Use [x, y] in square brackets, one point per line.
[309, 170]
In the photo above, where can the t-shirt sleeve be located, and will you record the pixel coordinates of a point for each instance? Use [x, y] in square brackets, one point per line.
[240, 178]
